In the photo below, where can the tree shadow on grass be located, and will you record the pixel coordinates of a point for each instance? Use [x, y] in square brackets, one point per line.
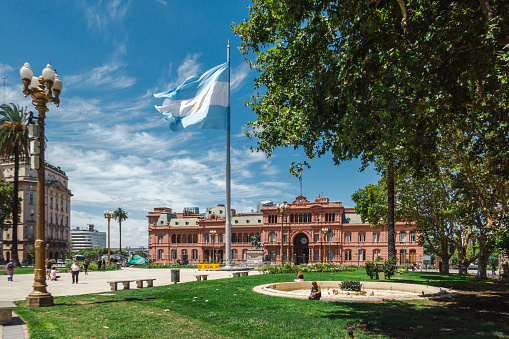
[463, 316]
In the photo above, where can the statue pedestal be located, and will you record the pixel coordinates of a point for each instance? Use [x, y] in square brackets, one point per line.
[254, 257]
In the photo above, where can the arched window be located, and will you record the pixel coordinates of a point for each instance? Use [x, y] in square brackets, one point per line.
[305, 218]
[206, 238]
[309, 217]
[160, 254]
[234, 237]
[220, 238]
[273, 255]
[330, 255]
[179, 240]
[300, 217]
[291, 217]
[195, 238]
[333, 217]
[272, 237]
[234, 255]
[194, 254]
[244, 254]
[402, 236]
[411, 235]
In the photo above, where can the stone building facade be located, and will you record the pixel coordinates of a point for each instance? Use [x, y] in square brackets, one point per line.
[57, 214]
[319, 231]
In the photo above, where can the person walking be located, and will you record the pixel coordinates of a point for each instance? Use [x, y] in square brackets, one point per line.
[85, 266]
[75, 271]
[104, 265]
[99, 264]
[10, 270]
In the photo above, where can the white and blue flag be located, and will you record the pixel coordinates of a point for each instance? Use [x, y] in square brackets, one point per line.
[202, 100]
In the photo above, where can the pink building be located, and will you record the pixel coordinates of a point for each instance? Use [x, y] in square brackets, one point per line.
[319, 231]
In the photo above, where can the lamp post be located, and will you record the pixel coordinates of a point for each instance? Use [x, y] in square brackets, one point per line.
[282, 209]
[404, 246]
[108, 215]
[324, 232]
[213, 236]
[359, 248]
[43, 89]
[312, 253]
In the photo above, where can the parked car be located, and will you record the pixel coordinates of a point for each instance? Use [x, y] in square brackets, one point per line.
[60, 261]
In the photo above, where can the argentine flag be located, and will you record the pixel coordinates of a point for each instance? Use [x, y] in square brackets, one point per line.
[202, 100]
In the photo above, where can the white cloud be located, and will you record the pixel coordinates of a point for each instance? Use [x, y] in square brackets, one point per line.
[99, 78]
[239, 75]
[106, 13]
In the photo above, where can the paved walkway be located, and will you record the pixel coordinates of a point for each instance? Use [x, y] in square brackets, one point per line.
[94, 282]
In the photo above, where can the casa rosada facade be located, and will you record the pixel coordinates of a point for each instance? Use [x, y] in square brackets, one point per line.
[319, 231]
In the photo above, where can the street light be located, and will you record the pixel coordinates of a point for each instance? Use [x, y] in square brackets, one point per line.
[108, 215]
[213, 236]
[312, 253]
[404, 246]
[358, 247]
[43, 89]
[324, 231]
[282, 209]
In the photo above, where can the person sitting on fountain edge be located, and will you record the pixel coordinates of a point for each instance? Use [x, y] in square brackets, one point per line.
[316, 292]
[300, 277]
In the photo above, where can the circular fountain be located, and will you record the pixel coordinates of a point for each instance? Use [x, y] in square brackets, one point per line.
[370, 291]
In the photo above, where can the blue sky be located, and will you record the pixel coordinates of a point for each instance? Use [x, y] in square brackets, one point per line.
[107, 136]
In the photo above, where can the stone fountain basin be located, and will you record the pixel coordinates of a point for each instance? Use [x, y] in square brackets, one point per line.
[375, 291]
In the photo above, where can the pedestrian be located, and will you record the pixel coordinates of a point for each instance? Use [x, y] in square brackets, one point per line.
[85, 266]
[75, 271]
[10, 270]
[49, 265]
[104, 265]
[99, 264]
[493, 269]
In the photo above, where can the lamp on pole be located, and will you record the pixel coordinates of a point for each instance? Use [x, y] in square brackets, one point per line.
[213, 236]
[43, 89]
[324, 232]
[312, 253]
[282, 209]
[359, 248]
[404, 246]
[108, 215]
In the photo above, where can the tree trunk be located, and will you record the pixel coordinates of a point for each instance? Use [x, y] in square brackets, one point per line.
[390, 210]
[463, 268]
[15, 210]
[120, 231]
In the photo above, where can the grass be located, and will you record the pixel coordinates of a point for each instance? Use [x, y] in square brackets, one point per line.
[228, 308]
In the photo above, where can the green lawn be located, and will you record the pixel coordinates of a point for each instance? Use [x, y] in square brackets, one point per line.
[228, 308]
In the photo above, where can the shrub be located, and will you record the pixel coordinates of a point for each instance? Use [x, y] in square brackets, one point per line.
[319, 267]
[371, 269]
[390, 267]
[351, 285]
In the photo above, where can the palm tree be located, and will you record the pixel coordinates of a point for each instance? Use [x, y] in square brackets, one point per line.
[120, 215]
[14, 143]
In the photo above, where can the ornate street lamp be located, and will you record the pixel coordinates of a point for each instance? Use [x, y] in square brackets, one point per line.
[108, 215]
[282, 209]
[359, 248]
[324, 231]
[43, 89]
[404, 246]
[213, 236]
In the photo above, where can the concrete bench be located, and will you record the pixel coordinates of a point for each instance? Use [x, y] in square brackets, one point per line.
[6, 308]
[139, 282]
[240, 274]
[126, 283]
[201, 276]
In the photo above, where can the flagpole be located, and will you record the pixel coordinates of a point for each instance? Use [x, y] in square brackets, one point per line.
[228, 226]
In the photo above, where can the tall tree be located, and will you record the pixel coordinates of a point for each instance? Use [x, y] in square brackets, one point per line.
[14, 146]
[6, 202]
[381, 79]
[120, 215]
